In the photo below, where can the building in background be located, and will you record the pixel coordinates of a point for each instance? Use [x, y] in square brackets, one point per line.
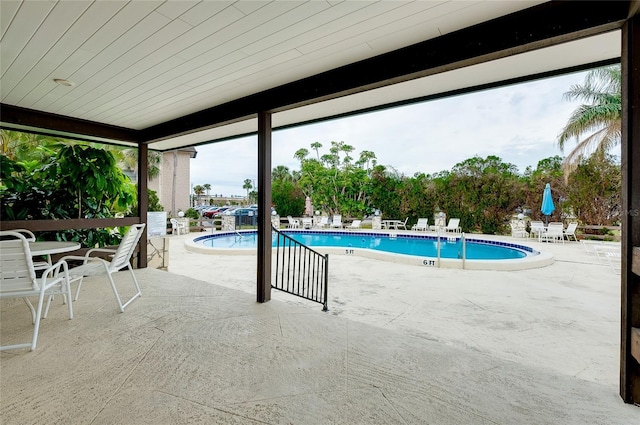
[173, 183]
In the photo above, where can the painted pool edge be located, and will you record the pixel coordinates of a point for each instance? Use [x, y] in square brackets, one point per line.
[542, 259]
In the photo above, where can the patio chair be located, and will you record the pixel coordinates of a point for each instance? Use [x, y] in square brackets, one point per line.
[292, 223]
[177, 227]
[554, 232]
[337, 221]
[570, 231]
[18, 280]
[30, 237]
[355, 224]
[307, 222]
[518, 230]
[537, 228]
[453, 225]
[120, 259]
[421, 225]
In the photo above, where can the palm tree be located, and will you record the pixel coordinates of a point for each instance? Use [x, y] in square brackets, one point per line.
[281, 173]
[198, 190]
[248, 186]
[600, 119]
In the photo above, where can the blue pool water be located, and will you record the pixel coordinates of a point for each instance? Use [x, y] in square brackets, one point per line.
[417, 245]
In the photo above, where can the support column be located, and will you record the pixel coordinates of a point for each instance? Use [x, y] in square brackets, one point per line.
[264, 207]
[143, 200]
[630, 294]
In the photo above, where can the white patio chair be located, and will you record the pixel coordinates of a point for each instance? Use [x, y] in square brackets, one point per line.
[518, 230]
[307, 222]
[120, 259]
[554, 232]
[18, 280]
[421, 225]
[292, 223]
[177, 227]
[570, 231]
[30, 237]
[537, 228]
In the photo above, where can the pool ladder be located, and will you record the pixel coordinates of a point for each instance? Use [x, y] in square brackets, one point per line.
[461, 255]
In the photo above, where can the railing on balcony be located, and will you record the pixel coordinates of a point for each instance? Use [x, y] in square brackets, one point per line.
[301, 271]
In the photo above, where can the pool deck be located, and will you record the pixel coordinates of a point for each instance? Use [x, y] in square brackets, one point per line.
[400, 345]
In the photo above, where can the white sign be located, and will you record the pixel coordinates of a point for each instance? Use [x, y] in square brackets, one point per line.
[156, 223]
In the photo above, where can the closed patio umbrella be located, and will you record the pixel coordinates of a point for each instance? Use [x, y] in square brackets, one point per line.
[547, 202]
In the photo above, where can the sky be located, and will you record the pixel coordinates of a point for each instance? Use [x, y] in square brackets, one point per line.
[518, 123]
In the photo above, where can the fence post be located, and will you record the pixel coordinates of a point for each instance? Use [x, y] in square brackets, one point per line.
[325, 307]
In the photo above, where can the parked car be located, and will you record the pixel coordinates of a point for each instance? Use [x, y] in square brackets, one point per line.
[214, 212]
[242, 211]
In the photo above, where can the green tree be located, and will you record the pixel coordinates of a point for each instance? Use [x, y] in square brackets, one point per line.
[600, 118]
[198, 190]
[593, 193]
[248, 186]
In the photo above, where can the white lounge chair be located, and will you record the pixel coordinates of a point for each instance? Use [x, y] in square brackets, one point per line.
[401, 224]
[614, 258]
[307, 222]
[422, 225]
[337, 221]
[120, 259]
[570, 231]
[453, 225]
[18, 280]
[355, 224]
[324, 222]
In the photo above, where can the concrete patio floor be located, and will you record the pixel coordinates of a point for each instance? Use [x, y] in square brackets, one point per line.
[400, 345]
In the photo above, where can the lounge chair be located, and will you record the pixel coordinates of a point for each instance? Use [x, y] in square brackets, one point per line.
[307, 223]
[570, 231]
[453, 225]
[337, 221]
[324, 222]
[422, 225]
[401, 224]
[355, 224]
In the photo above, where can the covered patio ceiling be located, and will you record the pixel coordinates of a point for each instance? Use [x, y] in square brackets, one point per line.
[175, 74]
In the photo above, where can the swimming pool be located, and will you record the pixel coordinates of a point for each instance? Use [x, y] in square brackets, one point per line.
[406, 248]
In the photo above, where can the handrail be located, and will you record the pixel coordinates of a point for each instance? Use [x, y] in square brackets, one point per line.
[300, 270]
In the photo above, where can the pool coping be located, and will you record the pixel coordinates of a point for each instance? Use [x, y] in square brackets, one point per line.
[542, 259]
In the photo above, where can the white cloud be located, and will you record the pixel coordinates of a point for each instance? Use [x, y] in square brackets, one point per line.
[518, 123]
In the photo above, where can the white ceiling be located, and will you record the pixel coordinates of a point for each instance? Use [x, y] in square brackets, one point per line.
[135, 64]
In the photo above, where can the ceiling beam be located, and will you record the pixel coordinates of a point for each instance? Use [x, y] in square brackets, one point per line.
[23, 119]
